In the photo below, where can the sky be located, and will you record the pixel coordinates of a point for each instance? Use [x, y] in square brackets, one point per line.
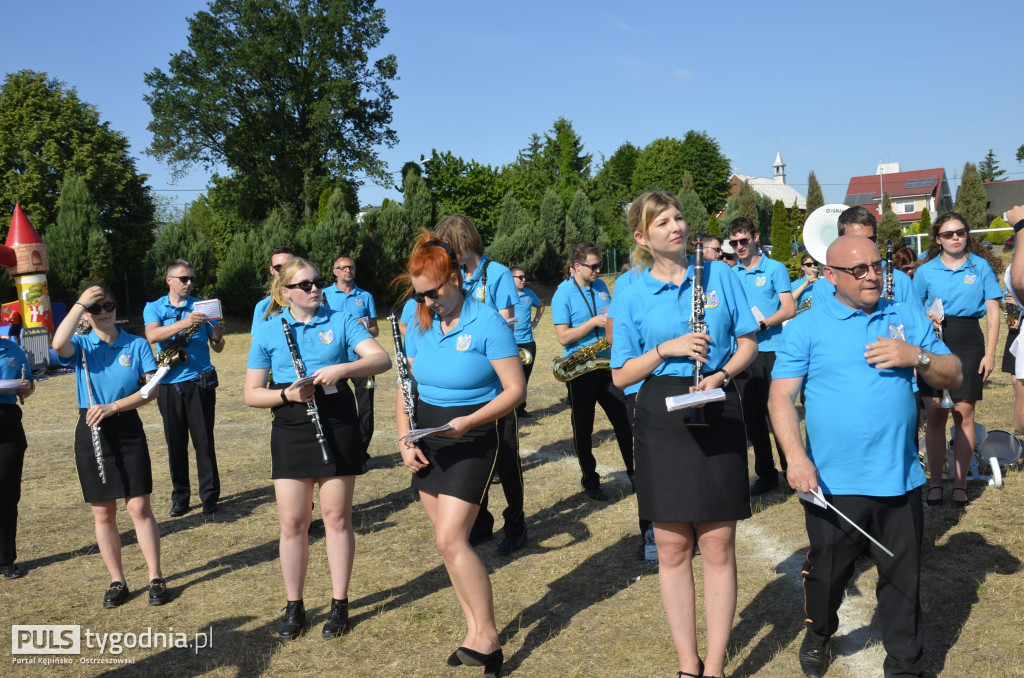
[839, 87]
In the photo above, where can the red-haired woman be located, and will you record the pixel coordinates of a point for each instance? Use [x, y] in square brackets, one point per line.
[467, 368]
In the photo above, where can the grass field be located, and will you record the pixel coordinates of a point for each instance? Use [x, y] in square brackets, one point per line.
[576, 602]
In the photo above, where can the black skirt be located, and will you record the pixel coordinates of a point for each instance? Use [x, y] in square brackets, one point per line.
[294, 447]
[125, 458]
[460, 468]
[684, 473]
[1009, 365]
[964, 339]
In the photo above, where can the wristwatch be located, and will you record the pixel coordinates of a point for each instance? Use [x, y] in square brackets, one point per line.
[728, 377]
[762, 325]
[923, 359]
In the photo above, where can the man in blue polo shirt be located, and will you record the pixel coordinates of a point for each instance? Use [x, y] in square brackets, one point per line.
[770, 295]
[854, 355]
[346, 296]
[279, 256]
[523, 331]
[187, 395]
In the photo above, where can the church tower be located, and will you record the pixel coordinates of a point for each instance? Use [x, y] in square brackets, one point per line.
[780, 168]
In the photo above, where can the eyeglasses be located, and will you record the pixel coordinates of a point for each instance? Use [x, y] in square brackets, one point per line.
[808, 263]
[519, 277]
[184, 279]
[308, 285]
[713, 249]
[860, 271]
[949, 235]
[106, 306]
[420, 297]
[739, 242]
[344, 268]
[593, 267]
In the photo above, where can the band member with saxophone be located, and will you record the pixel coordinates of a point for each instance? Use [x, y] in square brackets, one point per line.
[855, 353]
[120, 468]
[491, 283]
[523, 331]
[279, 256]
[346, 296]
[187, 396]
[579, 311]
[324, 340]
[767, 286]
[469, 375]
[13, 367]
[686, 474]
[959, 271]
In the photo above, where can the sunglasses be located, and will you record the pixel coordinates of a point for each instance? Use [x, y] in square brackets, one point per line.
[740, 242]
[860, 271]
[519, 277]
[184, 279]
[344, 268]
[106, 306]
[593, 267]
[420, 297]
[808, 263]
[949, 235]
[308, 285]
[713, 249]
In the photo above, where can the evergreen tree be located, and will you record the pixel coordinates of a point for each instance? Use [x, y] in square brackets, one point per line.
[179, 241]
[693, 213]
[67, 243]
[714, 228]
[278, 229]
[815, 198]
[687, 186]
[796, 222]
[972, 200]
[319, 241]
[241, 281]
[765, 211]
[513, 217]
[579, 221]
[551, 228]
[746, 202]
[101, 259]
[391, 244]
[925, 227]
[889, 229]
[781, 234]
[989, 168]
[998, 237]
[518, 240]
[419, 204]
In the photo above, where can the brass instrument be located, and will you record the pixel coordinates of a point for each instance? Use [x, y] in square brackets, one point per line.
[889, 276]
[311, 409]
[97, 445]
[173, 352]
[525, 356]
[805, 305]
[697, 323]
[582, 360]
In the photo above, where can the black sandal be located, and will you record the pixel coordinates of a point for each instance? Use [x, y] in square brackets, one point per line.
[699, 674]
[958, 504]
[934, 502]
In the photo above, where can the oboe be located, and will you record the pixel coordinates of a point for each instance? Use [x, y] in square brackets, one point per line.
[404, 377]
[97, 445]
[311, 409]
[697, 323]
[890, 275]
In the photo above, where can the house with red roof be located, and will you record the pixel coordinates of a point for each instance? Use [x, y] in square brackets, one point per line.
[909, 192]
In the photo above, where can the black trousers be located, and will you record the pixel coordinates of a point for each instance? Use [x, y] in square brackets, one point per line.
[510, 469]
[528, 369]
[364, 405]
[188, 408]
[12, 460]
[754, 384]
[585, 393]
[898, 523]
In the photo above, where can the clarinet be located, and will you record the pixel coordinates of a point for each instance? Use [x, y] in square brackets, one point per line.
[97, 445]
[311, 409]
[890, 275]
[697, 323]
[404, 376]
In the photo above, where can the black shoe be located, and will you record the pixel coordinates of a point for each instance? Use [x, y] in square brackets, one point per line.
[933, 500]
[812, 655]
[158, 592]
[453, 659]
[337, 619]
[491, 662]
[116, 594]
[595, 493]
[511, 543]
[210, 507]
[960, 503]
[13, 571]
[178, 509]
[764, 484]
[294, 621]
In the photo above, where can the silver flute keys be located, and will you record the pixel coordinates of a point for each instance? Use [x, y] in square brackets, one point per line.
[97, 445]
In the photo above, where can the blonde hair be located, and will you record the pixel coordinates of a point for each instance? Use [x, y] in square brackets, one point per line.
[459, 232]
[284, 277]
[641, 213]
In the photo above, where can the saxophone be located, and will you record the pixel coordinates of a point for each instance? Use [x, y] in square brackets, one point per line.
[174, 352]
[582, 360]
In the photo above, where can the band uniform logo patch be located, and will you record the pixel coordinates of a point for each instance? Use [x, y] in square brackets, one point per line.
[358, 302]
[712, 299]
[969, 278]
[326, 336]
[603, 296]
[760, 280]
[464, 342]
[125, 360]
[10, 360]
[897, 332]
[480, 293]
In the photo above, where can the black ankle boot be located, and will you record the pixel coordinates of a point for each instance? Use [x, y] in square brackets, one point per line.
[337, 619]
[294, 620]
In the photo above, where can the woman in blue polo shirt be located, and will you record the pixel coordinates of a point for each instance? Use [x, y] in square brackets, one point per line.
[117, 361]
[959, 271]
[466, 364]
[803, 289]
[686, 474]
[14, 368]
[323, 339]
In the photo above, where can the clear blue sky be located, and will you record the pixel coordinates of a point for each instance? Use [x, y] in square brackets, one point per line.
[841, 86]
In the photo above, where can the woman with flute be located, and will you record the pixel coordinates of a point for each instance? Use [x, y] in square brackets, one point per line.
[467, 367]
[314, 439]
[959, 271]
[686, 474]
[14, 367]
[111, 451]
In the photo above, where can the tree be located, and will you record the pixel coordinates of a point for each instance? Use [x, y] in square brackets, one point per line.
[468, 188]
[925, 227]
[179, 241]
[714, 227]
[46, 134]
[241, 277]
[419, 204]
[889, 229]
[972, 202]
[518, 241]
[579, 222]
[566, 166]
[781, 234]
[101, 259]
[815, 198]
[989, 168]
[282, 93]
[693, 213]
[551, 228]
[659, 166]
[67, 243]
[702, 157]
[1020, 153]
[796, 222]
[610, 192]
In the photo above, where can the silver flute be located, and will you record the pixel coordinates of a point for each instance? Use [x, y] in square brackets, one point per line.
[97, 445]
[311, 409]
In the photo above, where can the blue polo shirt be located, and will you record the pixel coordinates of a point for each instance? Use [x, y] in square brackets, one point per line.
[902, 287]
[161, 311]
[257, 315]
[963, 291]
[808, 292]
[574, 305]
[454, 369]
[358, 304]
[12, 360]
[861, 421]
[526, 301]
[628, 278]
[763, 285]
[651, 311]
[114, 369]
[327, 339]
[499, 292]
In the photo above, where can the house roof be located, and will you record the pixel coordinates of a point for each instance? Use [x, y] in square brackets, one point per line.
[865, 190]
[773, 189]
[1002, 195]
